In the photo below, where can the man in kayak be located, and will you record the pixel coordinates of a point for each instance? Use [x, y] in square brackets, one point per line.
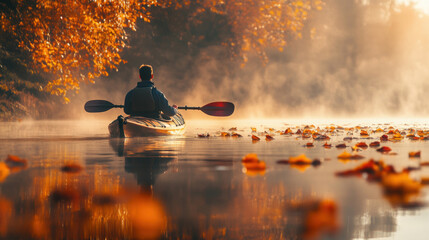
[147, 101]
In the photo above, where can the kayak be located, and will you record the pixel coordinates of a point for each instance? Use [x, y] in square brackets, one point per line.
[136, 126]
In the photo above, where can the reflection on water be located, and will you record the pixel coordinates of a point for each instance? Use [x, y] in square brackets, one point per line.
[74, 186]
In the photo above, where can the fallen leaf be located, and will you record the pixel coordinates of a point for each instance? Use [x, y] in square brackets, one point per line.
[384, 149]
[414, 154]
[269, 137]
[374, 144]
[255, 138]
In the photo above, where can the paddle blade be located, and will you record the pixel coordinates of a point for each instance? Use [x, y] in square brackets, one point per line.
[219, 109]
[98, 106]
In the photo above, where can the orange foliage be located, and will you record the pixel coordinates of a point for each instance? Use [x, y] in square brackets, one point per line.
[265, 23]
[76, 41]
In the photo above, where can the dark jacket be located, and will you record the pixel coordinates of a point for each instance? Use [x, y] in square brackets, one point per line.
[145, 100]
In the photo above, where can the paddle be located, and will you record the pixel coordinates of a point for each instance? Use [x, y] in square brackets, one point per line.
[218, 109]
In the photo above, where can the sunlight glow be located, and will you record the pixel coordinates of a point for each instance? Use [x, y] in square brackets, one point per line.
[422, 5]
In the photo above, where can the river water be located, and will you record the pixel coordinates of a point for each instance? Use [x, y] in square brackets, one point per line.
[77, 183]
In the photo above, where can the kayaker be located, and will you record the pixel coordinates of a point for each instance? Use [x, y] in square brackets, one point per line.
[147, 101]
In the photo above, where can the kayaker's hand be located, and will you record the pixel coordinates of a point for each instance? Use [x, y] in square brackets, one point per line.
[175, 106]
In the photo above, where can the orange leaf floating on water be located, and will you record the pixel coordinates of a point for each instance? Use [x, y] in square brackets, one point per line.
[236, 135]
[4, 171]
[252, 163]
[364, 133]
[384, 149]
[361, 145]
[298, 131]
[233, 129]
[400, 183]
[342, 145]
[301, 159]
[15, 160]
[374, 144]
[268, 137]
[202, 135]
[347, 155]
[225, 134]
[288, 131]
[255, 166]
[309, 144]
[414, 154]
[251, 157]
[327, 145]
[253, 129]
[384, 138]
[321, 137]
[72, 168]
[369, 167]
[397, 136]
[255, 138]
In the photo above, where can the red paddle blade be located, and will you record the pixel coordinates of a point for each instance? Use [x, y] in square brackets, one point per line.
[219, 109]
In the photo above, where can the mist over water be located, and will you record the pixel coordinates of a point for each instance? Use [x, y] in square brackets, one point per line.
[366, 59]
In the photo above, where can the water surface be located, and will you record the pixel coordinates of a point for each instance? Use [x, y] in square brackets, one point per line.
[191, 187]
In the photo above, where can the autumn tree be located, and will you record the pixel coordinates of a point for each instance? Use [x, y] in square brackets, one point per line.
[69, 42]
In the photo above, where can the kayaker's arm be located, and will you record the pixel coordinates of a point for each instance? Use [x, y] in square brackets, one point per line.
[164, 106]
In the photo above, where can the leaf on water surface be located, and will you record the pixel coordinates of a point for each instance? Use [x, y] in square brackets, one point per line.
[384, 149]
[327, 145]
[342, 145]
[361, 145]
[399, 183]
[384, 138]
[375, 144]
[203, 135]
[251, 157]
[414, 154]
[269, 137]
[252, 164]
[16, 161]
[321, 137]
[225, 134]
[347, 155]
[236, 135]
[255, 138]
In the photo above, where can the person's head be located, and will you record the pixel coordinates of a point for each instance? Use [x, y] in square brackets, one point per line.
[146, 72]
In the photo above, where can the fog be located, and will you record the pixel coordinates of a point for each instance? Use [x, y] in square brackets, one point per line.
[366, 59]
